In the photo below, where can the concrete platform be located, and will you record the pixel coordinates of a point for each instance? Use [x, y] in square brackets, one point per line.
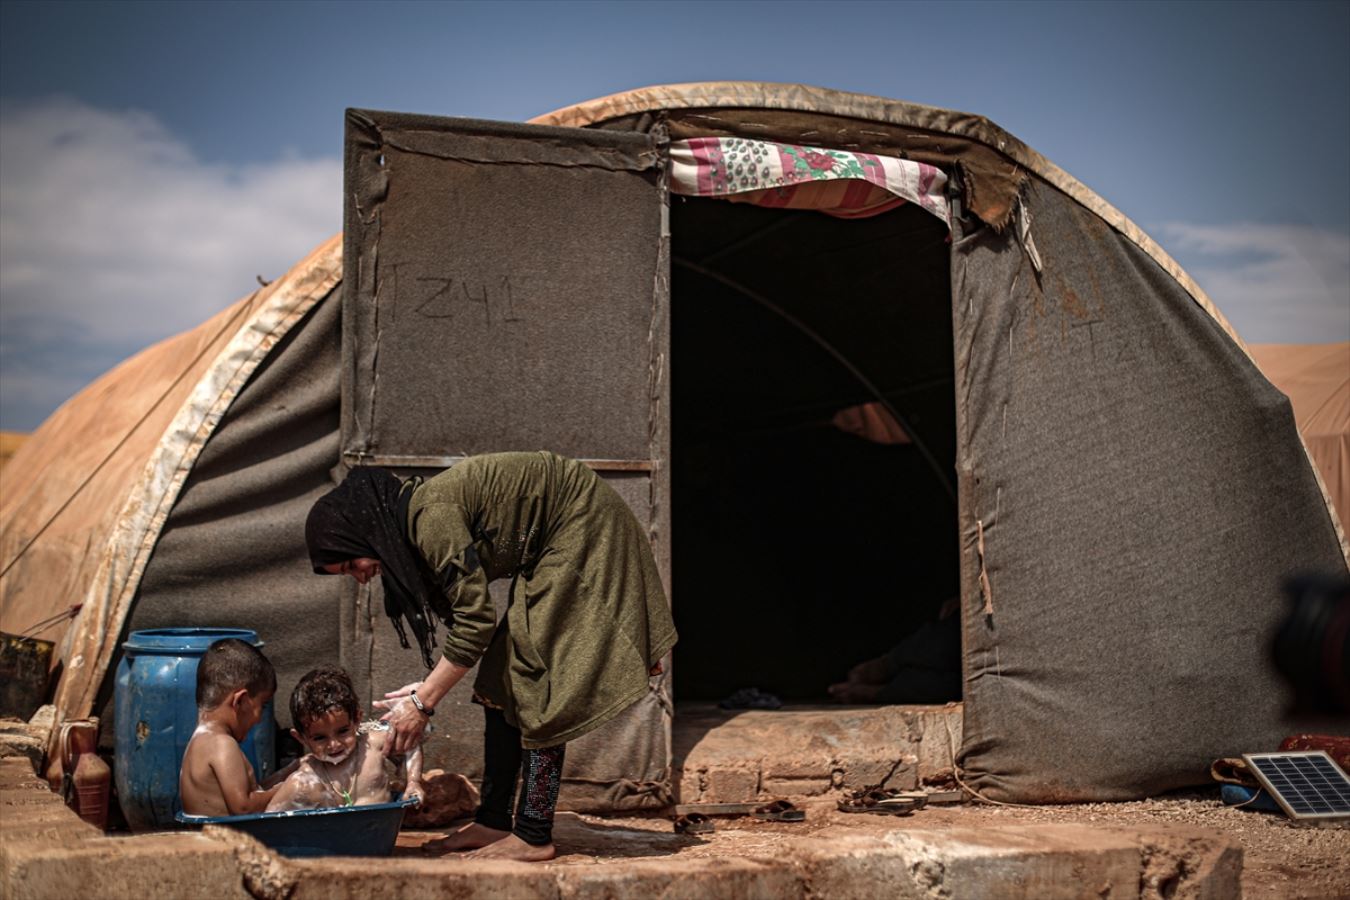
[803, 752]
[45, 852]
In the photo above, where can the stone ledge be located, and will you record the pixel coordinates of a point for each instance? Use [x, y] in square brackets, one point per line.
[27, 740]
[152, 866]
[47, 852]
[30, 810]
[16, 773]
[1044, 861]
[1033, 862]
[797, 753]
[673, 879]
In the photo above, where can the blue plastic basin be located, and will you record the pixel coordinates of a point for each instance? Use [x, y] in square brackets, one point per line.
[340, 831]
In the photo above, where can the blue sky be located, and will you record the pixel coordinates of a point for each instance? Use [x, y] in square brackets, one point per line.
[156, 157]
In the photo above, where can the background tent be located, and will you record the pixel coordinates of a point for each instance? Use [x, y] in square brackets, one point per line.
[10, 442]
[1316, 378]
[1129, 489]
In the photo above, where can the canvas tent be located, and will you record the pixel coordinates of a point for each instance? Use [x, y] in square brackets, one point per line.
[1094, 464]
[1316, 378]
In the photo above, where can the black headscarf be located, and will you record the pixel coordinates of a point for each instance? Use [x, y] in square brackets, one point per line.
[364, 517]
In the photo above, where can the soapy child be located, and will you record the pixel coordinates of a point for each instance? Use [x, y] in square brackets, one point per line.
[234, 683]
[345, 761]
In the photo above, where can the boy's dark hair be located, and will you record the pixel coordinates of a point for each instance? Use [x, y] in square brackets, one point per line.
[228, 665]
[322, 690]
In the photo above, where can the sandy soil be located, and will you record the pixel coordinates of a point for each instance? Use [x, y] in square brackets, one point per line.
[1281, 859]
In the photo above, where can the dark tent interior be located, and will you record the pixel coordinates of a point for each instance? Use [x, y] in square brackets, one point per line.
[799, 549]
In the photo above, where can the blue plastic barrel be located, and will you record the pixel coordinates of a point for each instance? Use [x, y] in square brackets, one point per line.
[155, 711]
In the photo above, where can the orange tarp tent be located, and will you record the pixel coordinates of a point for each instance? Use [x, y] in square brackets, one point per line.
[1316, 378]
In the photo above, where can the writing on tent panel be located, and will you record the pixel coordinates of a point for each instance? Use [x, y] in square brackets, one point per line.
[511, 300]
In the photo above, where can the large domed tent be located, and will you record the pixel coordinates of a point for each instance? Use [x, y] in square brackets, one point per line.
[686, 286]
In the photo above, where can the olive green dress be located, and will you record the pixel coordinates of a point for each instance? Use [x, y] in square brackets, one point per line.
[587, 616]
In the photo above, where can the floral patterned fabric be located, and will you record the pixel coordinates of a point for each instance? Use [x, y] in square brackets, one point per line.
[837, 182]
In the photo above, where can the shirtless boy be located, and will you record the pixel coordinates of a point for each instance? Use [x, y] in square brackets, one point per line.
[234, 683]
[345, 764]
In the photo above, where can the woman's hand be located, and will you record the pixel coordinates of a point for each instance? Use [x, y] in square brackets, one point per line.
[407, 726]
[391, 699]
[406, 721]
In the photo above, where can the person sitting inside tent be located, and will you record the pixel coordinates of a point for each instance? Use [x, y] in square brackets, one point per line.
[586, 624]
[345, 761]
[924, 667]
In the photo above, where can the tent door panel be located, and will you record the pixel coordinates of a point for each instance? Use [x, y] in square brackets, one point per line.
[507, 289]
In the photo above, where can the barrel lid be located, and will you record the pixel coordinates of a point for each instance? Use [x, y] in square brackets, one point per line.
[184, 640]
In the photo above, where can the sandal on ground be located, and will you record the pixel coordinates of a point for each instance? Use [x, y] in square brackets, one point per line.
[884, 802]
[693, 823]
[888, 808]
[778, 811]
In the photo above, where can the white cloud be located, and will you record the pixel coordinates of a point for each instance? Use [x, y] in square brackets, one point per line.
[1274, 283]
[113, 235]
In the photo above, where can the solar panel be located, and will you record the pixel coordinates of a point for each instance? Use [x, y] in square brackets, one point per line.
[1307, 785]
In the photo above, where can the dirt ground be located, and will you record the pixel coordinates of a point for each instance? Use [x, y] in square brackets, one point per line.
[1281, 859]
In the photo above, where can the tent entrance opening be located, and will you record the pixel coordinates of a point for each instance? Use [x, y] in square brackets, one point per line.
[806, 539]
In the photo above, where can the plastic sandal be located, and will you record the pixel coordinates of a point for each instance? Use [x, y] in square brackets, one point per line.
[779, 811]
[889, 802]
[693, 823]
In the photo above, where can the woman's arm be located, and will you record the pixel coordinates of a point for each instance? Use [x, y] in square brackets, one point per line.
[404, 717]
[442, 533]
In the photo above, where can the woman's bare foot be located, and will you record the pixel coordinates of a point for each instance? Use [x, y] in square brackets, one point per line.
[468, 837]
[512, 847]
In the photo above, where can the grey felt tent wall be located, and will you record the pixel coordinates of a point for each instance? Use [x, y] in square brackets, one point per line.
[1131, 490]
[1128, 480]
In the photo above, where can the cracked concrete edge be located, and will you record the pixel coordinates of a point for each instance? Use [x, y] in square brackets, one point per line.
[924, 739]
[1046, 861]
[47, 852]
[1202, 865]
[31, 811]
[265, 875]
[171, 866]
[666, 878]
[1042, 862]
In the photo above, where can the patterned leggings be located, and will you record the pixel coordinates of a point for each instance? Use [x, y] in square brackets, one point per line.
[503, 761]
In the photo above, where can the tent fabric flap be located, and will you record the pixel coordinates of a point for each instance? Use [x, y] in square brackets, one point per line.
[994, 164]
[92, 642]
[1132, 493]
[232, 551]
[789, 176]
[507, 289]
